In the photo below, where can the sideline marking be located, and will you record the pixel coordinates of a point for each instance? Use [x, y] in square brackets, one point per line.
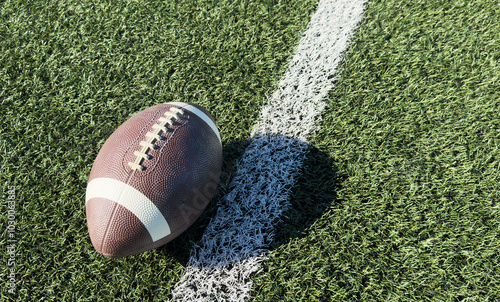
[237, 238]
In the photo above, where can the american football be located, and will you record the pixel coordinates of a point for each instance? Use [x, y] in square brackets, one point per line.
[152, 178]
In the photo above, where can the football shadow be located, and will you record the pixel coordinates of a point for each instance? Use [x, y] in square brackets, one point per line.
[181, 247]
[309, 198]
[312, 195]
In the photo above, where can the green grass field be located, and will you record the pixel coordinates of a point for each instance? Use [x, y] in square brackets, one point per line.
[399, 198]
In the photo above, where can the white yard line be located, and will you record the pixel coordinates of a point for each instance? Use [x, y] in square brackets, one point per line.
[236, 240]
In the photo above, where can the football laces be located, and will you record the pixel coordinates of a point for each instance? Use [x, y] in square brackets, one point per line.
[151, 137]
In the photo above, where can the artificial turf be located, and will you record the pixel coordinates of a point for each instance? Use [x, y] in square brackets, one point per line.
[398, 199]
[73, 71]
[412, 133]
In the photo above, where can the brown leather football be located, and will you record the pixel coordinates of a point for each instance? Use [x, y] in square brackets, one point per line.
[152, 178]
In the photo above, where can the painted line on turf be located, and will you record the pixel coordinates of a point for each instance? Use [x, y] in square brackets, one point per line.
[236, 240]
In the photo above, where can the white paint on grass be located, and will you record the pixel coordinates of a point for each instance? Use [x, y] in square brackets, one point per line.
[236, 240]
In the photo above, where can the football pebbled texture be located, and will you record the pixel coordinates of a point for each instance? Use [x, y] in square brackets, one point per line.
[152, 178]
